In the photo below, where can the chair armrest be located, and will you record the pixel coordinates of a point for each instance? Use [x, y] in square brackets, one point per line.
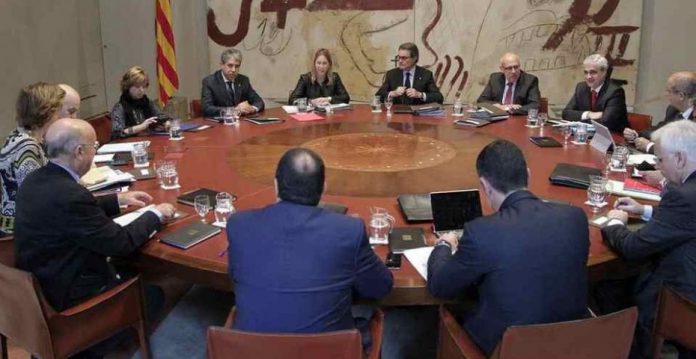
[101, 298]
[376, 329]
[459, 336]
[230, 317]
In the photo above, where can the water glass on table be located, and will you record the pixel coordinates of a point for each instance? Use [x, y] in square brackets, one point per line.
[567, 132]
[619, 158]
[201, 204]
[376, 104]
[597, 192]
[381, 223]
[223, 207]
[458, 108]
[388, 102]
[301, 104]
[542, 118]
[581, 134]
[532, 117]
[139, 155]
[175, 132]
[169, 177]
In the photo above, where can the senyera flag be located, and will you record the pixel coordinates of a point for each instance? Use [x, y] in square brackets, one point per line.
[167, 76]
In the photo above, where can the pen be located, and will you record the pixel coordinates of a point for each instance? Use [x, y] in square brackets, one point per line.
[222, 252]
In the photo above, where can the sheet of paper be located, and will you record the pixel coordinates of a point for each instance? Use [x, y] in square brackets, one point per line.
[119, 147]
[127, 218]
[104, 158]
[419, 259]
[290, 109]
[639, 158]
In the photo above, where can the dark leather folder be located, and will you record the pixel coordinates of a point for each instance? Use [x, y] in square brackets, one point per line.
[566, 174]
[403, 238]
[190, 235]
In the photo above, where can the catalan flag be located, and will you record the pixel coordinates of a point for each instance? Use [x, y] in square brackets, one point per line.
[166, 57]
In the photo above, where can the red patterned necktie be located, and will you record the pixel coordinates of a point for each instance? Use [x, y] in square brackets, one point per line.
[508, 95]
[593, 100]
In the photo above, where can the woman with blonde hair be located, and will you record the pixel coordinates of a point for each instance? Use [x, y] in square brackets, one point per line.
[37, 107]
[134, 111]
[321, 85]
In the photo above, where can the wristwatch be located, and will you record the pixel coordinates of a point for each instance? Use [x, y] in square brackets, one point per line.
[443, 242]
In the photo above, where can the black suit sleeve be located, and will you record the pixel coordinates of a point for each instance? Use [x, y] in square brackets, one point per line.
[487, 94]
[432, 93]
[532, 99]
[571, 111]
[373, 279]
[340, 93]
[449, 275]
[614, 115]
[210, 109]
[253, 98]
[386, 87]
[300, 90]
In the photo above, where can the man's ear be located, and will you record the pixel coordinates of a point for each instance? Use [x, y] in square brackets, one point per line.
[275, 186]
[487, 189]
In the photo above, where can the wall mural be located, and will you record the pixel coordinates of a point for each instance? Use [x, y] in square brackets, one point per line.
[459, 40]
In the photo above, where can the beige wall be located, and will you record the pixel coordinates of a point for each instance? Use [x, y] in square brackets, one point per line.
[61, 41]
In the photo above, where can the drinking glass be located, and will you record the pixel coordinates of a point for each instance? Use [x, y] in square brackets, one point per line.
[376, 104]
[223, 206]
[543, 117]
[388, 104]
[301, 104]
[139, 154]
[567, 131]
[169, 176]
[581, 134]
[619, 158]
[457, 108]
[381, 223]
[201, 204]
[606, 160]
[532, 117]
[231, 116]
[175, 132]
[597, 192]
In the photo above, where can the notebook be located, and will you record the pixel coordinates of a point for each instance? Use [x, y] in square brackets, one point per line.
[403, 238]
[452, 209]
[188, 197]
[263, 120]
[161, 130]
[190, 235]
[494, 113]
[545, 141]
[415, 207]
[569, 175]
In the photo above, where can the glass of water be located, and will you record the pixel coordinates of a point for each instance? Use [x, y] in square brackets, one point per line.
[581, 133]
[376, 105]
[543, 117]
[458, 108]
[388, 104]
[567, 131]
[597, 192]
[175, 132]
[223, 206]
[619, 158]
[168, 175]
[201, 204]
[532, 117]
[231, 116]
[139, 154]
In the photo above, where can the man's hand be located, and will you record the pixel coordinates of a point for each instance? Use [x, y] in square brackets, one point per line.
[134, 198]
[595, 115]
[653, 178]
[618, 214]
[400, 91]
[412, 93]
[451, 238]
[629, 205]
[642, 144]
[167, 210]
[245, 108]
[629, 134]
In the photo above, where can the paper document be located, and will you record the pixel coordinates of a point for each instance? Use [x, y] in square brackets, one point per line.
[639, 158]
[290, 109]
[119, 147]
[104, 158]
[127, 218]
[110, 176]
[617, 188]
[419, 259]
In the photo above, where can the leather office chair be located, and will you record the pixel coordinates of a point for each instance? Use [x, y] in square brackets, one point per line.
[102, 126]
[196, 109]
[639, 122]
[338, 344]
[28, 319]
[673, 321]
[608, 336]
[7, 251]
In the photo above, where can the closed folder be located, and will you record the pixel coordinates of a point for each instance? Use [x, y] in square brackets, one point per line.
[403, 238]
[569, 175]
[190, 235]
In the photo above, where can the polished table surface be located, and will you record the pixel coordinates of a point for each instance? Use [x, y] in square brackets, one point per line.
[370, 159]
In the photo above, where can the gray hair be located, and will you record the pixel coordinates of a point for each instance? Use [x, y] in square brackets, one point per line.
[684, 82]
[63, 142]
[677, 136]
[596, 60]
[225, 55]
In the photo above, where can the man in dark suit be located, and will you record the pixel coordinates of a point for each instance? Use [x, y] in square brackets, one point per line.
[408, 83]
[680, 89]
[63, 233]
[598, 98]
[228, 88]
[527, 260]
[296, 266]
[668, 239]
[512, 89]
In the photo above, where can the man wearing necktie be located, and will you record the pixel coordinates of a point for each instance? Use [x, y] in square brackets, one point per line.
[679, 92]
[511, 89]
[227, 88]
[598, 98]
[408, 83]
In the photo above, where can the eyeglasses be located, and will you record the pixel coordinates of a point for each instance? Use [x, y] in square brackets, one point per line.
[403, 57]
[510, 68]
[591, 72]
[95, 145]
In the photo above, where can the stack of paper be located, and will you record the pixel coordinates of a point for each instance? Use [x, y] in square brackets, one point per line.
[617, 188]
[119, 147]
[290, 109]
[101, 177]
[419, 259]
[127, 218]
[637, 159]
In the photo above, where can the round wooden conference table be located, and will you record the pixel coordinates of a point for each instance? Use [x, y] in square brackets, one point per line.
[370, 159]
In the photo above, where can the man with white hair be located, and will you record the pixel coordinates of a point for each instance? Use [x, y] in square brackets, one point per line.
[597, 98]
[669, 236]
[512, 89]
[71, 102]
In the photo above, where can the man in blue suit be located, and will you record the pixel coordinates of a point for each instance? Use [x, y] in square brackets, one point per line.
[527, 260]
[295, 266]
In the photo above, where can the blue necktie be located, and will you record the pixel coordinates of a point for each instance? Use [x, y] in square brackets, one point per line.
[407, 83]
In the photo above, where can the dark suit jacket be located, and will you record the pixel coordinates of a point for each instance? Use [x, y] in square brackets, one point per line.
[528, 261]
[215, 97]
[295, 268]
[423, 81]
[306, 88]
[611, 100]
[669, 238]
[526, 91]
[671, 114]
[64, 234]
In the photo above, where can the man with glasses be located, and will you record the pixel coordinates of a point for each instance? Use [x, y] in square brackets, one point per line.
[680, 89]
[668, 239]
[512, 89]
[408, 83]
[598, 98]
[64, 234]
[71, 102]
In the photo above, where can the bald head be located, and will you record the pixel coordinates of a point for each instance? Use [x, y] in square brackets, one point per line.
[680, 89]
[510, 66]
[71, 102]
[68, 140]
[300, 177]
